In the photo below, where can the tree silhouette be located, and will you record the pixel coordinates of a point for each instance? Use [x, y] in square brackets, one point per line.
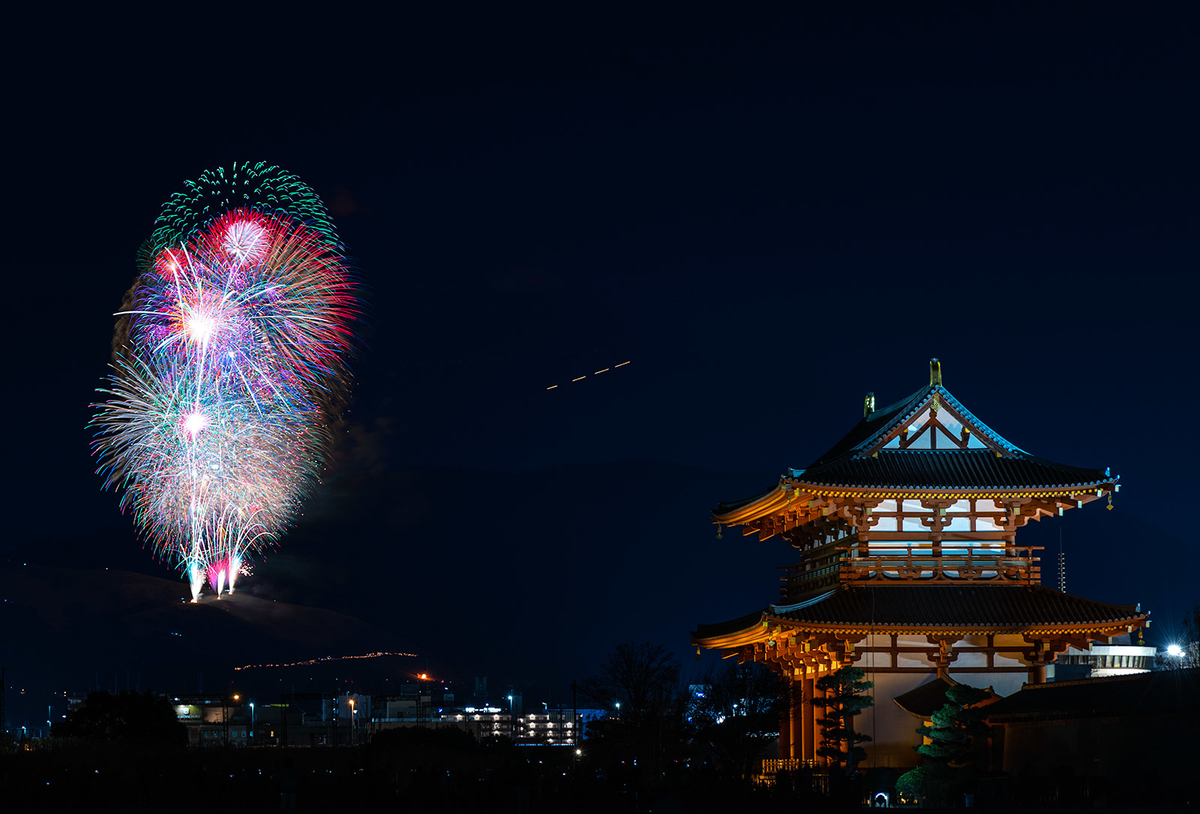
[736, 713]
[644, 680]
[1190, 646]
[127, 718]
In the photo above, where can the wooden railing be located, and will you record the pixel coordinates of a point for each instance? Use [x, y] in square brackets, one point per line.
[801, 580]
[811, 776]
[770, 765]
[955, 563]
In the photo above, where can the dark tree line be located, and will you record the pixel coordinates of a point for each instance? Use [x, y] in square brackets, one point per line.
[128, 718]
[663, 735]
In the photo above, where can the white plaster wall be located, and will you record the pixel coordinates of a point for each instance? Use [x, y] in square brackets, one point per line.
[1001, 683]
[894, 730]
[969, 660]
[1010, 660]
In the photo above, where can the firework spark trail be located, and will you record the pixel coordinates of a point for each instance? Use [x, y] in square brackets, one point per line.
[230, 358]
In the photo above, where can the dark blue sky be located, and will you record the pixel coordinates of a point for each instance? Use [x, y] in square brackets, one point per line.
[769, 215]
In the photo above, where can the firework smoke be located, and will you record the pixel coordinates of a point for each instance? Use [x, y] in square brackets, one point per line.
[229, 369]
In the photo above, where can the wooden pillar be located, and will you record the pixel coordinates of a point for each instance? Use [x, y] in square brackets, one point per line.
[795, 710]
[1037, 657]
[785, 724]
[807, 718]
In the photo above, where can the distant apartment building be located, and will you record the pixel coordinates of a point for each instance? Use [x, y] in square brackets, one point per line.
[550, 726]
[347, 719]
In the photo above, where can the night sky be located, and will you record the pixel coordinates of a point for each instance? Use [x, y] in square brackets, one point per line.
[768, 216]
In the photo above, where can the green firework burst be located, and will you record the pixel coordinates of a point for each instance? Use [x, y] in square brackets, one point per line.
[260, 187]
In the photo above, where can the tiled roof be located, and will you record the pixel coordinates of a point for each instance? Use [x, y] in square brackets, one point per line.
[926, 699]
[732, 626]
[872, 424]
[954, 605]
[728, 506]
[949, 469]
[850, 463]
[1173, 692]
[939, 606]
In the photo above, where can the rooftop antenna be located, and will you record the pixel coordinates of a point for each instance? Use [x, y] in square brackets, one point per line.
[1062, 565]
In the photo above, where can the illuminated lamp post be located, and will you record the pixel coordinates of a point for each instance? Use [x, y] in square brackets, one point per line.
[512, 719]
[227, 714]
[352, 711]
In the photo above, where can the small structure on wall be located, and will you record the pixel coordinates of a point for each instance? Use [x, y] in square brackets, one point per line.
[909, 568]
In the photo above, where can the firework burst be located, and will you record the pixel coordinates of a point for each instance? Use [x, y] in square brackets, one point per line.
[229, 361]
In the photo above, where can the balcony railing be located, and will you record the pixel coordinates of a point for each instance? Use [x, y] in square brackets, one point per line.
[1008, 565]
[954, 563]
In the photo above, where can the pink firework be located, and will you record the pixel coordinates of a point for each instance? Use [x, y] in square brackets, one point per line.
[230, 367]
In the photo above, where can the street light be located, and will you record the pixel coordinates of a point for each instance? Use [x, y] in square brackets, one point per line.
[1174, 650]
[352, 711]
[251, 722]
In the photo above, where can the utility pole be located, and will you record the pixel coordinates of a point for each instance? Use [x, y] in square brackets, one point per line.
[283, 723]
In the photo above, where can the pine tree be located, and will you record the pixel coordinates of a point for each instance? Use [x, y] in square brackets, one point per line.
[956, 727]
[954, 733]
[845, 699]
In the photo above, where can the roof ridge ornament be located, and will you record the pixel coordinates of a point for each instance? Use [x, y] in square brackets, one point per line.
[935, 373]
[869, 404]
